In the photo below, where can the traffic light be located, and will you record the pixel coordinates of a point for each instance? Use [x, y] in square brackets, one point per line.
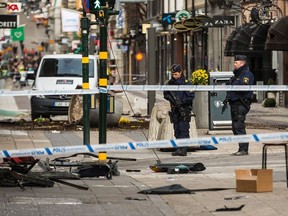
[102, 8]
[95, 5]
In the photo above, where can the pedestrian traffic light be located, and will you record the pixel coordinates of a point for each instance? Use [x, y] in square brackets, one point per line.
[95, 5]
[100, 7]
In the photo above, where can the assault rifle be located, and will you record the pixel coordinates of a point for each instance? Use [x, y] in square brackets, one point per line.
[175, 100]
[178, 103]
[225, 105]
[225, 102]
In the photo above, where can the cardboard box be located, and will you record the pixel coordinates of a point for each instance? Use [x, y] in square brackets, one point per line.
[254, 180]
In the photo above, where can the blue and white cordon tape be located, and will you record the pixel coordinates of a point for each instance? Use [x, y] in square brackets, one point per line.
[134, 146]
[148, 88]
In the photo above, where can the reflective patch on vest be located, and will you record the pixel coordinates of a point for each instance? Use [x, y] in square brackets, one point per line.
[245, 80]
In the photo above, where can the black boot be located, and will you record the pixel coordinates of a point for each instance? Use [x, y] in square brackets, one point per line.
[240, 153]
[180, 152]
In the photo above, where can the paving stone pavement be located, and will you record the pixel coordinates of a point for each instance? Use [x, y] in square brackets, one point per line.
[213, 188]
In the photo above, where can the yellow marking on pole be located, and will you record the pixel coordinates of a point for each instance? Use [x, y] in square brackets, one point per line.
[103, 82]
[85, 60]
[111, 104]
[103, 55]
[85, 85]
[92, 101]
[102, 156]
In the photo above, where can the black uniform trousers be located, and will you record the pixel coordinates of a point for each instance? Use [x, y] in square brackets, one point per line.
[181, 126]
[181, 129]
[239, 110]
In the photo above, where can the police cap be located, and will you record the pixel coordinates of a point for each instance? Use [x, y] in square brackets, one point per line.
[240, 58]
[176, 68]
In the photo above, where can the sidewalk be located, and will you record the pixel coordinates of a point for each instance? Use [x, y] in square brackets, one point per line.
[211, 189]
[276, 117]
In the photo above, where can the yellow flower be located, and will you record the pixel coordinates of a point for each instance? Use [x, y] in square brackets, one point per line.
[199, 77]
[124, 120]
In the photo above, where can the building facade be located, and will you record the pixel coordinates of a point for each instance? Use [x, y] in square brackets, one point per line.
[233, 27]
[198, 34]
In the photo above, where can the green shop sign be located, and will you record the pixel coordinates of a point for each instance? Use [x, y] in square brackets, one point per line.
[18, 34]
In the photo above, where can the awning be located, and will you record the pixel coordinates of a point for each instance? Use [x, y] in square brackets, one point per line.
[239, 40]
[277, 38]
[259, 37]
[228, 47]
[249, 37]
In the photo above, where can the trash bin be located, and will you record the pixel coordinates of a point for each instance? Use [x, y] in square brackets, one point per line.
[218, 121]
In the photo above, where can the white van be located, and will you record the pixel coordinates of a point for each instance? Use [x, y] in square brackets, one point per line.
[59, 72]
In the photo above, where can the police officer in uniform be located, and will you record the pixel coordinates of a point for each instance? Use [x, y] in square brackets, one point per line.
[240, 101]
[181, 107]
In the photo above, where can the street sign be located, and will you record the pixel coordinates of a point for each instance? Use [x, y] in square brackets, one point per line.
[18, 34]
[220, 21]
[168, 18]
[179, 26]
[3, 5]
[14, 7]
[183, 14]
[191, 24]
[8, 21]
[85, 5]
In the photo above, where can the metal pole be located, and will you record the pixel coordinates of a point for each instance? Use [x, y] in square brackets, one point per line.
[193, 39]
[151, 67]
[186, 47]
[205, 56]
[85, 25]
[100, 8]
[103, 79]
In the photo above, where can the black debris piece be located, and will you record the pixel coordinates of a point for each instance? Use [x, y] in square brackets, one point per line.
[170, 189]
[230, 209]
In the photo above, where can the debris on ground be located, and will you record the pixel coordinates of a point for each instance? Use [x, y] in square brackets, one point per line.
[230, 209]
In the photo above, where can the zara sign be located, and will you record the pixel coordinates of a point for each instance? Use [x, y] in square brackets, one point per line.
[219, 21]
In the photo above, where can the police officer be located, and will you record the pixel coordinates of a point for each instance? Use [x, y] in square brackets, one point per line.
[181, 107]
[240, 101]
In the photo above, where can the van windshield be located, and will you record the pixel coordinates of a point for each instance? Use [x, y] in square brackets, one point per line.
[68, 67]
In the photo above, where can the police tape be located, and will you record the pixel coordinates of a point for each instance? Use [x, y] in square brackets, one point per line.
[147, 88]
[134, 146]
